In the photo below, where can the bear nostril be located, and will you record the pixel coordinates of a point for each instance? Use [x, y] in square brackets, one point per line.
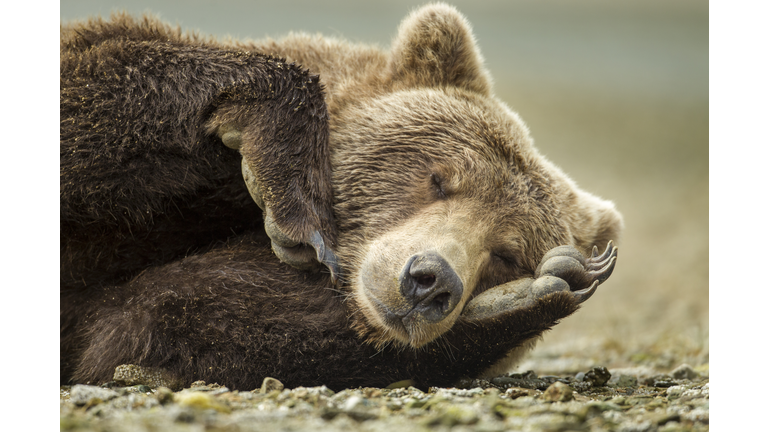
[425, 280]
[441, 302]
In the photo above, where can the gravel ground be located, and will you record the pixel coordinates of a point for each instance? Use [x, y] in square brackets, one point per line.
[630, 399]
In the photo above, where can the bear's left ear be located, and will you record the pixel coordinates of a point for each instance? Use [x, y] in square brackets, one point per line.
[435, 47]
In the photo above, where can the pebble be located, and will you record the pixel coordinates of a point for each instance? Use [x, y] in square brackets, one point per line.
[624, 381]
[598, 376]
[558, 392]
[131, 375]
[90, 395]
[270, 384]
[684, 371]
[682, 406]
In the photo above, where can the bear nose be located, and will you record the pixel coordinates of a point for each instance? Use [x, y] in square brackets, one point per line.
[431, 286]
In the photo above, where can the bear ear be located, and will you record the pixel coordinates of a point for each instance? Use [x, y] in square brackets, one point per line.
[435, 47]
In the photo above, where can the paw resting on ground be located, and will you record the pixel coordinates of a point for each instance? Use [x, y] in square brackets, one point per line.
[562, 269]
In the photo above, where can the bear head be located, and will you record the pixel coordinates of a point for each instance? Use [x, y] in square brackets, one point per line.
[439, 192]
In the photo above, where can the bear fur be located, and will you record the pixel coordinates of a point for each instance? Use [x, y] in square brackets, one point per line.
[309, 209]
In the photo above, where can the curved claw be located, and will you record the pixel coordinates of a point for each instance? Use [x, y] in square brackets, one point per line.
[597, 263]
[325, 255]
[604, 273]
[584, 294]
[607, 253]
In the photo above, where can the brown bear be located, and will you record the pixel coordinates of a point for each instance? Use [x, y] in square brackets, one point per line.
[309, 209]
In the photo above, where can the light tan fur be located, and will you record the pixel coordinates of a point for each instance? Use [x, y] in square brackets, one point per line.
[434, 72]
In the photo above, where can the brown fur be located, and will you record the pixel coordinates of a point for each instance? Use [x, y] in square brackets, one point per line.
[164, 261]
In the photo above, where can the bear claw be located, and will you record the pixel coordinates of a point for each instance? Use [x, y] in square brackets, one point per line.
[306, 257]
[583, 295]
[601, 267]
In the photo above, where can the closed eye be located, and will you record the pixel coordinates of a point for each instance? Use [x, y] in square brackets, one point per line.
[507, 259]
[437, 185]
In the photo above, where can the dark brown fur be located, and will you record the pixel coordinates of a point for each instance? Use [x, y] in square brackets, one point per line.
[164, 259]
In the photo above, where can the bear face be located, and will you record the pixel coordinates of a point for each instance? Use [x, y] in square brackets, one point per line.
[450, 198]
[468, 210]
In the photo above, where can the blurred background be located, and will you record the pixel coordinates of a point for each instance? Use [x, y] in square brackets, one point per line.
[616, 93]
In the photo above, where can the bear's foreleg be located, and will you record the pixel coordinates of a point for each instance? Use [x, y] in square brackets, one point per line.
[510, 317]
[144, 177]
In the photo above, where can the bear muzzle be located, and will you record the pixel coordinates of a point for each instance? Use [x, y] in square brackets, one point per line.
[430, 286]
[420, 303]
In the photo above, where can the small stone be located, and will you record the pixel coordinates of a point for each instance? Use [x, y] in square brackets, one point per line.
[90, 395]
[131, 375]
[270, 384]
[684, 371]
[598, 376]
[558, 392]
[400, 384]
[626, 381]
[504, 381]
[663, 383]
[580, 376]
[516, 392]
[463, 383]
[164, 395]
[352, 403]
[200, 400]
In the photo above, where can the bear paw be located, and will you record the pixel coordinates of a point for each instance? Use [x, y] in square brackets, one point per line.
[562, 269]
[309, 256]
[564, 264]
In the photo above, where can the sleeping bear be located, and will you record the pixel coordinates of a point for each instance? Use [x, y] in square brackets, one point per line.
[309, 209]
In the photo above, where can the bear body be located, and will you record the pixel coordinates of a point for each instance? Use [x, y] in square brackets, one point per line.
[307, 209]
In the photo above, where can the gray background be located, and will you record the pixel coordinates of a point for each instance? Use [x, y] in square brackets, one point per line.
[615, 92]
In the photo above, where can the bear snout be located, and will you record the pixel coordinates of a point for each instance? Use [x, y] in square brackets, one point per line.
[430, 286]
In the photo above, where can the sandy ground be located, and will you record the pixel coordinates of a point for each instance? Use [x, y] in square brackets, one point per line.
[616, 93]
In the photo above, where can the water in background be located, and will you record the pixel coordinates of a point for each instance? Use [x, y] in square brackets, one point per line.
[616, 93]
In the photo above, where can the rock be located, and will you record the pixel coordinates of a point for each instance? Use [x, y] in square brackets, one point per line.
[352, 403]
[269, 384]
[200, 400]
[90, 395]
[164, 395]
[558, 392]
[131, 375]
[598, 376]
[623, 381]
[516, 392]
[684, 371]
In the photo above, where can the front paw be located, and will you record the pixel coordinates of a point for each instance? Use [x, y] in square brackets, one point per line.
[568, 265]
[562, 269]
[307, 254]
